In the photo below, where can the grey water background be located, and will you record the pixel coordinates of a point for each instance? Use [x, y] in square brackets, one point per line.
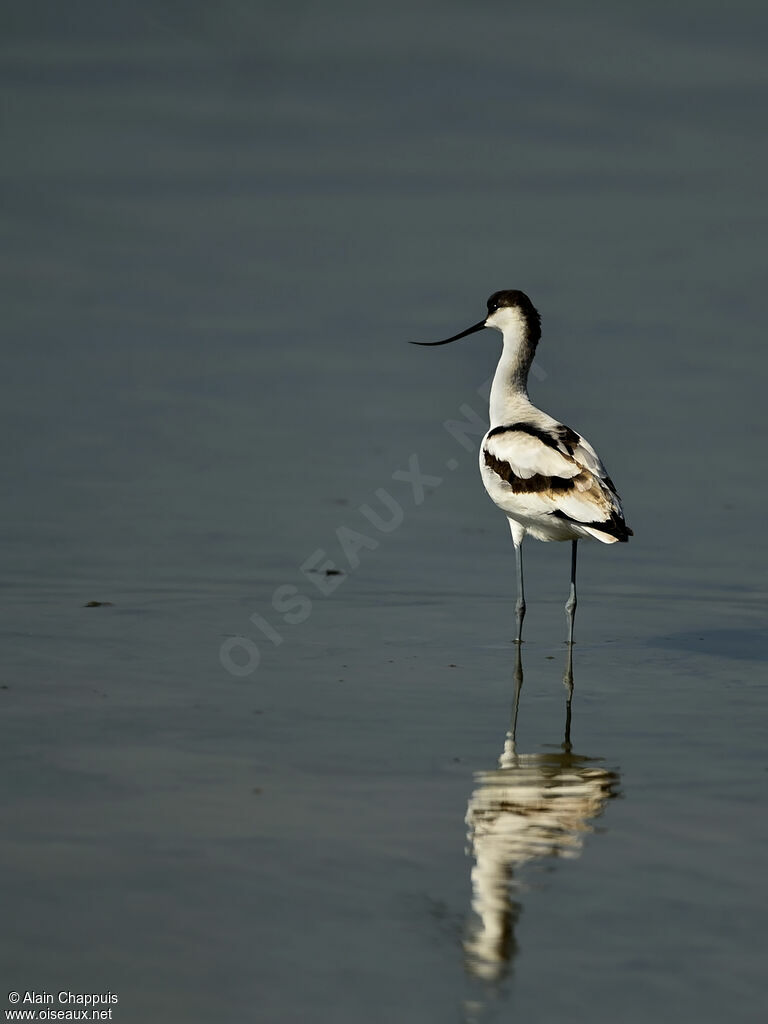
[221, 224]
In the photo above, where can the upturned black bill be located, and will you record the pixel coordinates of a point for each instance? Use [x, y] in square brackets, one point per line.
[469, 330]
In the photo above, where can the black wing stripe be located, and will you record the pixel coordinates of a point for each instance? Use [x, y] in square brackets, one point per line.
[525, 428]
[553, 439]
[530, 485]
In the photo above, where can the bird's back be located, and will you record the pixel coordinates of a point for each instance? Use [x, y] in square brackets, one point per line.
[550, 480]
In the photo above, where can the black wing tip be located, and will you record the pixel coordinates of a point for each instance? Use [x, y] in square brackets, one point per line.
[619, 530]
[613, 527]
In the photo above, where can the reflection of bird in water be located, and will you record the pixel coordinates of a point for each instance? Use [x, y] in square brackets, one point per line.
[533, 806]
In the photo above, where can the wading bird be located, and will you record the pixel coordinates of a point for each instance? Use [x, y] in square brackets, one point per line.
[546, 478]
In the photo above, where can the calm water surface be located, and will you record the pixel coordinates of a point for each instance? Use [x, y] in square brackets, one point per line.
[246, 789]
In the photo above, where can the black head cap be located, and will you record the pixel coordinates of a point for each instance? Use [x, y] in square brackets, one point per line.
[515, 299]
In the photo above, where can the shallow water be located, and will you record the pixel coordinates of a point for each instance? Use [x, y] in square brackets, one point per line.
[236, 791]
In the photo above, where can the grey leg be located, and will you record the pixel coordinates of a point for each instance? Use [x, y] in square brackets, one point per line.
[570, 604]
[520, 603]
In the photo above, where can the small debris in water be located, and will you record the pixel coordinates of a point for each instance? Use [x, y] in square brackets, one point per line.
[98, 604]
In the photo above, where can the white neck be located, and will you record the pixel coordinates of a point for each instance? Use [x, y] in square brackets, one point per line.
[509, 391]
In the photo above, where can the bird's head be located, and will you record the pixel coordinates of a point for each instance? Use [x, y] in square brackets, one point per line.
[508, 311]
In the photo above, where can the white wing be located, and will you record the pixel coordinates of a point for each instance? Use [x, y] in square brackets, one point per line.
[527, 455]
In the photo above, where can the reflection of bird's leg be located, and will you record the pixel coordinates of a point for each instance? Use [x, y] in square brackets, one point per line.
[518, 677]
[568, 684]
[570, 604]
[508, 755]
